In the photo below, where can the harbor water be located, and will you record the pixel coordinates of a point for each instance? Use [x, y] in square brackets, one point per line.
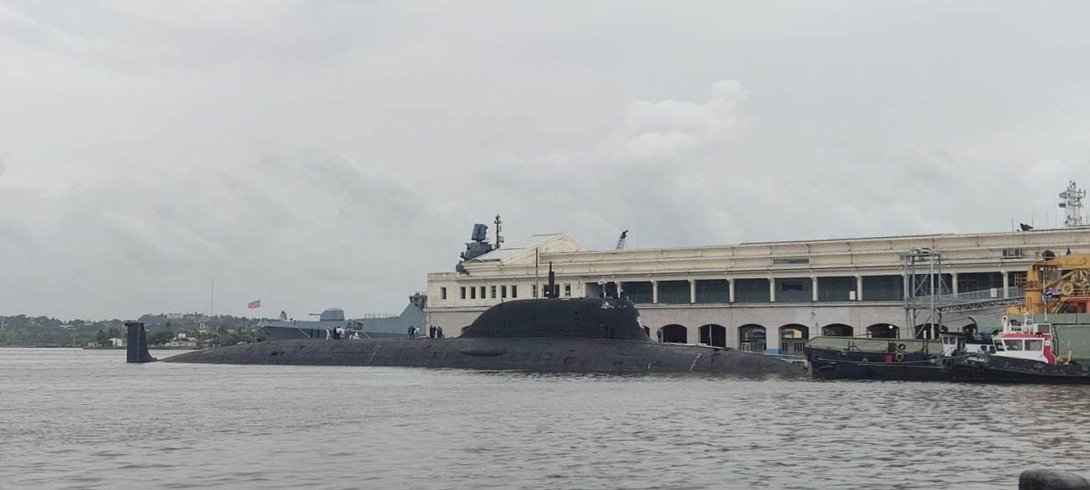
[85, 419]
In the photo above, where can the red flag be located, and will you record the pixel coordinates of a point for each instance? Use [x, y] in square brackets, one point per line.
[254, 304]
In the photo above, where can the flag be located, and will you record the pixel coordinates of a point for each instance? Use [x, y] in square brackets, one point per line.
[254, 304]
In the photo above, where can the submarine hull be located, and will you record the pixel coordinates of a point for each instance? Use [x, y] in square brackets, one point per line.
[524, 354]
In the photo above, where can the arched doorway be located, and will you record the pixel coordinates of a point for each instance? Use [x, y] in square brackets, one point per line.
[713, 334]
[751, 338]
[837, 330]
[883, 331]
[792, 338]
[674, 334]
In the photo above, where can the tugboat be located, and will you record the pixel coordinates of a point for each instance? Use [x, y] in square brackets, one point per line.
[888, 359]
[1022, 353]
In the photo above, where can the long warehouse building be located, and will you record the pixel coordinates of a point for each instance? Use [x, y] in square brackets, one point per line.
[766, 297]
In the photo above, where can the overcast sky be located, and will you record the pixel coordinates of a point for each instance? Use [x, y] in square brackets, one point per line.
[332, 153]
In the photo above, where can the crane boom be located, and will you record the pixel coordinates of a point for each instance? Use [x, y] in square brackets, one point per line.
[620, 241]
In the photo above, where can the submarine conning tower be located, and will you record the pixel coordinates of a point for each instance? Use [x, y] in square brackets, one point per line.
[576, 318]
[137, 344]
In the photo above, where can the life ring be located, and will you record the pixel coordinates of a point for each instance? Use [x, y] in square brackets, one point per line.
[900, 356]
[1067, 289]
[901, 347]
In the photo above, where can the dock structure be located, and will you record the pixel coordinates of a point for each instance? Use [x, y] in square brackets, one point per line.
[768, 296]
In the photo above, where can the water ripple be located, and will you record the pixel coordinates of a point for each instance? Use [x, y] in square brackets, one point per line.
[84, 419]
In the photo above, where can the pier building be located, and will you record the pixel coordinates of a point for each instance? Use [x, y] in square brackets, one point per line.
[766, 296]
[770, 296]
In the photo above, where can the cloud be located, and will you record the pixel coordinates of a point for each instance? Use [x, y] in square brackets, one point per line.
[652, 132]
[333, 153]
[264, 228]
[670, 128]
[650, 172]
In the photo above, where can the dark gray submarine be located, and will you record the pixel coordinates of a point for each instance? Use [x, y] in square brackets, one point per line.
[548, 335]
[551, 335]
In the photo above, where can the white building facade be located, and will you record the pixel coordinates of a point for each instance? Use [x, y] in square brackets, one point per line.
[767, 297]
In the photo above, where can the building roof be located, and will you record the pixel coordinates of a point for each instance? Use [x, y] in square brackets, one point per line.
[521, 249]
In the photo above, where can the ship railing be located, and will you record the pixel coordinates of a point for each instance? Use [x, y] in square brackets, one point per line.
[992, 295]
[867, 344]
[753, 346]
[792, 347]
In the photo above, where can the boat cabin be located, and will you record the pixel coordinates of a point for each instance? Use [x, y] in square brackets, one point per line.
[1025, 340]
[953, 343]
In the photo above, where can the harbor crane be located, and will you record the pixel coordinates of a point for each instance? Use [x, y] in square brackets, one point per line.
[1057, 284]
[620, 241]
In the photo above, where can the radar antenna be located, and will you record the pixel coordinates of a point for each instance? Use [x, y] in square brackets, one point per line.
[1071, 202]
[620, 241]
[477, 246]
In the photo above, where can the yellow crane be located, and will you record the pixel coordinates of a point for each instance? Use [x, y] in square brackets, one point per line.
[1057, 284]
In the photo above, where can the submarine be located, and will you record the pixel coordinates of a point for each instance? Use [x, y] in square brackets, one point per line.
[546, 335]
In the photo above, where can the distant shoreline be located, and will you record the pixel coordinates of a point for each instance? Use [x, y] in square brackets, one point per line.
[86, 348]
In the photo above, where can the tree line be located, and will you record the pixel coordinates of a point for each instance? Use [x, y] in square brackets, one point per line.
[41, 331]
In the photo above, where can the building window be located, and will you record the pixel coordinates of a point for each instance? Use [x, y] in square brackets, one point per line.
[514, 291]
[837, 288]
[503, 291]
[883, 288]
[533, 290]
[567, 290]
[483, 295]
[638, 292]
[463, 289]
[493, 292]
[443, 293]
[674, 292]
[472, 293]
[712, 291]
[794, 289]
[751, 291]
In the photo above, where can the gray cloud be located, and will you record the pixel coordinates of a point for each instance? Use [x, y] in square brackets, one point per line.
[334, 153]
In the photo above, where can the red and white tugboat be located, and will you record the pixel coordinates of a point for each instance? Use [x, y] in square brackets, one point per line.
[1023, 353]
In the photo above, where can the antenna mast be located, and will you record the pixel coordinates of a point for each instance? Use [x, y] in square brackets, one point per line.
[499, 238]
[1071, 202]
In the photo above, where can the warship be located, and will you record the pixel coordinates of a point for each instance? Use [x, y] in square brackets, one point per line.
[332, 319]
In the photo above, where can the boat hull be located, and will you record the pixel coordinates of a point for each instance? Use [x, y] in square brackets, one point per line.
[998, 369]
[838, 364]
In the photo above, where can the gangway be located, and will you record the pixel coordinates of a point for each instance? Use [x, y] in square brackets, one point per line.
[927, 297]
